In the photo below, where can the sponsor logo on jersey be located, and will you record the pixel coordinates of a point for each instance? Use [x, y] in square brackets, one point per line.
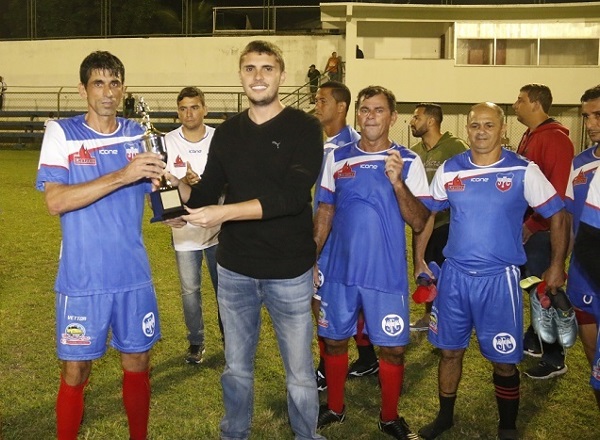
[369, 166]
[345, 172]
[455, 185]
[83, 157]
[103, 151]
[74, 334]
[580, 179]
[504, 181]
[179, 163]
[322, 321]
[504, 343]
[131, 150]
[148, 324]
[392, 325]
[480, 179]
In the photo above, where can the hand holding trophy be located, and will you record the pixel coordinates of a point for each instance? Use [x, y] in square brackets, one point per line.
[166, 201]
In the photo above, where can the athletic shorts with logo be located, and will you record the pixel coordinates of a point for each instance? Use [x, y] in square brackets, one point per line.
[83, 323]
[491, 304]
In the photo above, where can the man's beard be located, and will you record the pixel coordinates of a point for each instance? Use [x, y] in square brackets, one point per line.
[264, 101]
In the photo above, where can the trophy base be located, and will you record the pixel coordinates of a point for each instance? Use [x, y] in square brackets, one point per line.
[166, 204]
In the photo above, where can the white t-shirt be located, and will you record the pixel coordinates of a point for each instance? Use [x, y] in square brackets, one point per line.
[180, 151]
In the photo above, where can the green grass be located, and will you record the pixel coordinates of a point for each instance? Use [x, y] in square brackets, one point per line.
[186, 400]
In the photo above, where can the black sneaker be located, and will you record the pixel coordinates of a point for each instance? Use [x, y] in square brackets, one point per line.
[398, 428]
[545, 371]
[358, 369]
[531, 344]
[327, 416]
[195, 354]
[321, 381]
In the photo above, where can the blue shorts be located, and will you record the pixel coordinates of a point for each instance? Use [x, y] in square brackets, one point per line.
[582, 301]
[492, 304]
[83, 323]
[386, 314]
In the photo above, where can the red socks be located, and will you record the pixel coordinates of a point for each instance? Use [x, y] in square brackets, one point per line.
[336, 370]
[136, 398]
[69, 410]
[391, 378]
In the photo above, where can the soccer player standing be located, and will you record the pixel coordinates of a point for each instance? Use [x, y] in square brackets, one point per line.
[95, 176]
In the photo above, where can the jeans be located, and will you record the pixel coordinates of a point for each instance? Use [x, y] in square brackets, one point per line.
[288, 303]
[189, 266]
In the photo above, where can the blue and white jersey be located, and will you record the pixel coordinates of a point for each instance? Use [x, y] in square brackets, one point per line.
[366, 246]
[102, 249]
[487, 204]
[346, 136]
[590, 212]
[582, 172]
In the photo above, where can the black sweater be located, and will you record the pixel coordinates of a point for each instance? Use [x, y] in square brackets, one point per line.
[276, 162]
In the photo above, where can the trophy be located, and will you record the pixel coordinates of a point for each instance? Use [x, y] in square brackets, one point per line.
[166, 201]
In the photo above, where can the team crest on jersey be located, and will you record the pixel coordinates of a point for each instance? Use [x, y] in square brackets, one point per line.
[580, 179]
[504, 343]
[322, 321]
[74, 334]
[131, 150]
[179, 163]
[149, 324]
[83, 157]
[392, 325]
[504, 181]
[455, 185]
[345, 172]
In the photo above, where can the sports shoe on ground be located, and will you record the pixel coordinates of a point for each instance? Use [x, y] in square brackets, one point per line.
[327, 416]
[434, 429]
[531, 344]
[398, 428]
[566, 327]
[358, 369]
[420, 325]
[542, 319]
[195, 354]
[545, 371]
[508, 434]
[321, 381]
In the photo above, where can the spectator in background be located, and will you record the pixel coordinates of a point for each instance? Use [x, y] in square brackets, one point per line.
[187, 148]
[129, 106]
[332, 67]
[359, 53]
[313, 79]
[2, 90]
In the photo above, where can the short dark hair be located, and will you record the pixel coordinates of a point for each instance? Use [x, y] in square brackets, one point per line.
[369, 92]
[339, 91]
[539, 93]
[432, 110]
[101, 60]
[591, 94]
[191, 92]
[260, 46]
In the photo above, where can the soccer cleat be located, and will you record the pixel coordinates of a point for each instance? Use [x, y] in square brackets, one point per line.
[195, 354]
[358, 369]
[420, 325]
[434, 429]
[327, 416]
[542, 319]
[545, 371]
[531, 344]
[321, 381]
[398, 428]
[566, 327]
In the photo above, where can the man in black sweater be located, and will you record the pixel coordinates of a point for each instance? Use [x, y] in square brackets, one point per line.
[267, 158]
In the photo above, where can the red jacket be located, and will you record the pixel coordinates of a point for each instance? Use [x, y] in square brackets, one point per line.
[549, 146]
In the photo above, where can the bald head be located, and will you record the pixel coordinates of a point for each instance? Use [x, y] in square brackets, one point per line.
[489, 106]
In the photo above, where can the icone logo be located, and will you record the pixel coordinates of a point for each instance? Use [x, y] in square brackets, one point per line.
[480, 179]
[369, 166]
[194, 151]
[108, 152]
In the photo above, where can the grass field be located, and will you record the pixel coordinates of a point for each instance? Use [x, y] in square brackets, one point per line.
[186, 400]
